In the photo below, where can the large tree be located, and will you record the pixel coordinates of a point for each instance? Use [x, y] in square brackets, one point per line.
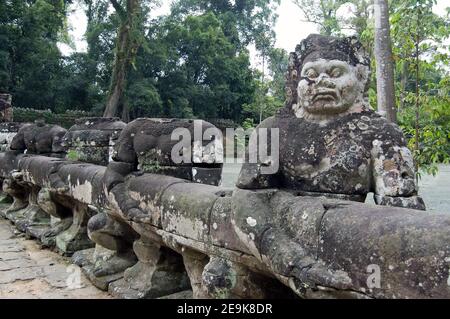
[323, 13]
[127, 44]
[30, 61]
[422, 53]
[203, 74]
[244, 22]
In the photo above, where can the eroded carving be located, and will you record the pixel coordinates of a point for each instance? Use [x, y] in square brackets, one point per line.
[331, 142]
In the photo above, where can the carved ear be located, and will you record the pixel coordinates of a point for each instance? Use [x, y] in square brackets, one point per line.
[363, 75]
[292, 80]
[358, 50]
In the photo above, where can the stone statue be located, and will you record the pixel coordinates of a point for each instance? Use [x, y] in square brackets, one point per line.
[160, 226]
[331, 142]
[145, 147]
[31, 139]
[6, 114]
[41, 139]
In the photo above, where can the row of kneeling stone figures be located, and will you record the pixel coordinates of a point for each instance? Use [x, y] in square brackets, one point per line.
[147, 225]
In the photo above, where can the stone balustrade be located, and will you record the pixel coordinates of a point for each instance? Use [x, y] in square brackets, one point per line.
[146, 235]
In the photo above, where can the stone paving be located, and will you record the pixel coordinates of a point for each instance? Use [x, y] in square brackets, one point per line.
[26, 271]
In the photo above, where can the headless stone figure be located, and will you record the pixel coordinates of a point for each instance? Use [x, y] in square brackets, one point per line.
[39, 139]
[145, 146]
[331, 142]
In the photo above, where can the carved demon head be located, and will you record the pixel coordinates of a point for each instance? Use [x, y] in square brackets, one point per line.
[327, 76]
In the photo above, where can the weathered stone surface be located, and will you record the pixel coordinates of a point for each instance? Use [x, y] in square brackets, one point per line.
[6, 112]
[93, 263]
[7, 132]
[35, 273]
[40, 138]
[92, 140]
[330, 140]
[159, 272]
[149, 143]
[298, 232]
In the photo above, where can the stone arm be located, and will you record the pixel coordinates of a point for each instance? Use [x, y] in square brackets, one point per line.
[259, 220]
[124, 163]
[257, 172]
[393, 175]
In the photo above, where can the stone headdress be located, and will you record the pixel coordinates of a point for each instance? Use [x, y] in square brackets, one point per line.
[316, 47]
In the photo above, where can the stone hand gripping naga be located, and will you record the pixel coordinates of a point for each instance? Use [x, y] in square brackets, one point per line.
[298, 230]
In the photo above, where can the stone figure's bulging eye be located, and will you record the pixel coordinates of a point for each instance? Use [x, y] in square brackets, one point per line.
[335, 72]
[311, 73]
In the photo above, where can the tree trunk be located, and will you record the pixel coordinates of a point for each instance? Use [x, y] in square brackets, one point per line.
[126, 48]
[403, 83]
[262, 80]
[384, 62]
[417, 144]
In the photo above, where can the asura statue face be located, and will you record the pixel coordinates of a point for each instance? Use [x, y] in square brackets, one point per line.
[329, 87]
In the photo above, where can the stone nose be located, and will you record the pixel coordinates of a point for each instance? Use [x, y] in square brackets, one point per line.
[324, 80]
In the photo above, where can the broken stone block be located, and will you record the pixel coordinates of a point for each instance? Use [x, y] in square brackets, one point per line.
[91, 140]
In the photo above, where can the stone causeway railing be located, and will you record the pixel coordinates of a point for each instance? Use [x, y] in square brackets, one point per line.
[108, 195]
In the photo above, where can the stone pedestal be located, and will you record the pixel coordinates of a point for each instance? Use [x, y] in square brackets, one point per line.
[158, 272]
[33, 214]
[217, 278]
[195, 263]
[113, 252]
[95, 261]
[75, 237]
[20, 199]
[60, 219]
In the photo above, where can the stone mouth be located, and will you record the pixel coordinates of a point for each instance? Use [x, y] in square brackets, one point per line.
[327, 95]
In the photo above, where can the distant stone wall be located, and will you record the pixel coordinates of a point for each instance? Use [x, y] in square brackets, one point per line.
[66, 120]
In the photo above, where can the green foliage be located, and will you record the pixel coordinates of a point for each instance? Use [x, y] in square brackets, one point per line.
[422, 61]
[434, 124]
[193, 63]
[145, 99]
[248, 124]
[323, 13]
[198, 71]
[30, 61]
[72, 155]
[243, 21]
[270, 91]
